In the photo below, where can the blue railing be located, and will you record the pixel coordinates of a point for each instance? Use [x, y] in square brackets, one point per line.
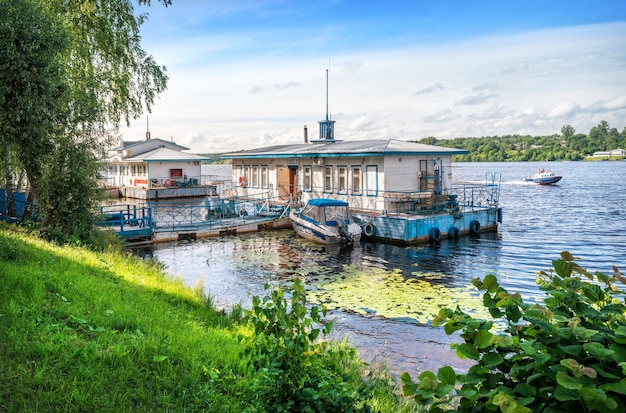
[131, 221]
[15, 208]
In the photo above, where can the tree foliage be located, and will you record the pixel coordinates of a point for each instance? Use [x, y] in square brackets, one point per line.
[111, 76]
[33, 87]
[70, 73]
[570, 146]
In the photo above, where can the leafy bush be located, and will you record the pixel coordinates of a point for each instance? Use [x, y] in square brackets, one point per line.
[292, 369]
[568, 354]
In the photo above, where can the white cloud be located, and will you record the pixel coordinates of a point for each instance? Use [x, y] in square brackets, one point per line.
[475, 99]
[530, 83]
[564, 109]
[617, 103]
[435, 87]
[443, 115]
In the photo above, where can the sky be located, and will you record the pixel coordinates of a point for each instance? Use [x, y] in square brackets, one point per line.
[250, 74]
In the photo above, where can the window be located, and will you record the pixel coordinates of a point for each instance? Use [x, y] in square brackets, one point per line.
[328, 179]
[246, 175]
[255, 176]
[342, 179]
[175, 173]
[371, 180]
[308, 183]
[356, 180]
[264, 176]
[238, 172]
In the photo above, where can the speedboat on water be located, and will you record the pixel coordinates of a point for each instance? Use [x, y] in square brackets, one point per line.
[543, 177]
[328, 221]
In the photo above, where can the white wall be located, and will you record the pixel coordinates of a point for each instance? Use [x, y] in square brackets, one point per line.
[395, 174]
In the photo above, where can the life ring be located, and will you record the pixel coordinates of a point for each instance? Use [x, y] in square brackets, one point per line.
[368, 229]
[242, 181]
[167, 182]
[242, 213]
[131, 182]
[474, 227]
[435, 234]
[453, 233]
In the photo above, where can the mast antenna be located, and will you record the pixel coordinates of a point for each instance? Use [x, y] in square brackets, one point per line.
[327, 94]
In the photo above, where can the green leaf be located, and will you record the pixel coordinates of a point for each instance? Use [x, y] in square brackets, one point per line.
[584, 333]
[466, 350]
[446, 375]
[572, 350]
[526, 390]
[593, 292]
[451, 327]
[620, 331]
[615, 388]
[563, 394]
[406, 377]
[598, 350]
[159, 358]
[427, 375]
[562, 267]
[409, 389]
[496, 312]
[593, 397]
[567, 381]
[483, 339]
[492, 359]
[507, 404]
[491, 283]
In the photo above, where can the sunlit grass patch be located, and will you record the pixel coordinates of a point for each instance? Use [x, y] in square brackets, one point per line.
[86, 331]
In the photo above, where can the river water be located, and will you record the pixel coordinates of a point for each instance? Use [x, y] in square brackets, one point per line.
[382, 296]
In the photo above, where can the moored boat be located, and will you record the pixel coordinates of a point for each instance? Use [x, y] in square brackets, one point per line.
[328, 221]
[543, 177]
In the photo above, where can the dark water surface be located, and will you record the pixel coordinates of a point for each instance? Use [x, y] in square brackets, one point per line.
[383, 296]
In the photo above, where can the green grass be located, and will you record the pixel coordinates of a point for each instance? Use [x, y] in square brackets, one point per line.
[84, 331]
[105, 331]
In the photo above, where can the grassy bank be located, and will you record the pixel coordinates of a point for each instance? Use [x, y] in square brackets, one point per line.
[86, 331]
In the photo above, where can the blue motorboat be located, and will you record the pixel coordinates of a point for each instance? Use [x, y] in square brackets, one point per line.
[327, 221]
[543, 177]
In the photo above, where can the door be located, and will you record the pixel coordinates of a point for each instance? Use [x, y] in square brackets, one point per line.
[287, 183]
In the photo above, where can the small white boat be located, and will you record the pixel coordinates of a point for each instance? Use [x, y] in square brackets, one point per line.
[543, 177]
[328, 221]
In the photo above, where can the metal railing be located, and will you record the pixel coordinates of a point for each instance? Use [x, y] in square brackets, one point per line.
[15, 208]
[215, 211]
[164, 181]
[126, 216]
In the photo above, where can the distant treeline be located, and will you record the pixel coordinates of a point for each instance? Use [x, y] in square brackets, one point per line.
[569, 146]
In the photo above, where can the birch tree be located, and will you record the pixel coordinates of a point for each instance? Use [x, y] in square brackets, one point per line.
[70, 73]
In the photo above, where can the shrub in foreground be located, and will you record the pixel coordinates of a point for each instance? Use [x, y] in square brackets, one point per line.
[568, 354]
[293, 370]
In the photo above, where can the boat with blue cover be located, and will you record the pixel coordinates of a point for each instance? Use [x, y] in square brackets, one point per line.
[328, 221]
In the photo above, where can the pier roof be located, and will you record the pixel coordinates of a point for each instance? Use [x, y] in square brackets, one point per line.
[165, 155]
[380, 147]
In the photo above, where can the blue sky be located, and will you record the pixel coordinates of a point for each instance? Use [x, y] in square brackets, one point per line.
[253, 73]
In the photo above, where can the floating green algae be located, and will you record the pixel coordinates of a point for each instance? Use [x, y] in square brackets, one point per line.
[386, 293]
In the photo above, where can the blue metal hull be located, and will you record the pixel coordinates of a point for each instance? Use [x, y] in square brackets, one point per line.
[406, 229]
